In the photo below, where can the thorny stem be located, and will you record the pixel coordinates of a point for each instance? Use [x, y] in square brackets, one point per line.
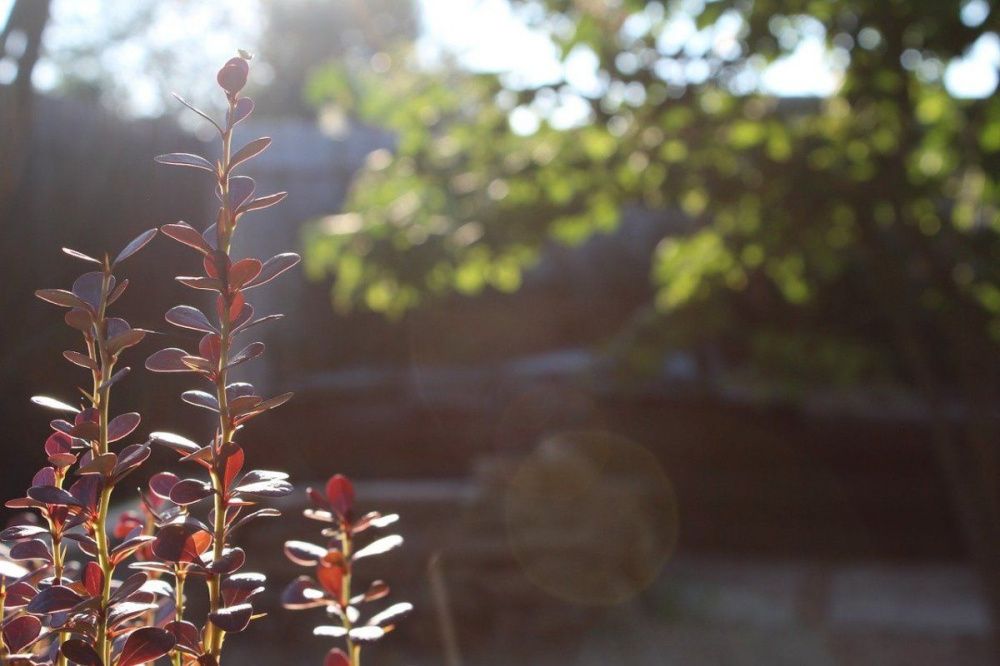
[177, 659]
[224, 230]
[346, 547]
[102, 398]
[58, 564]
[3, 599]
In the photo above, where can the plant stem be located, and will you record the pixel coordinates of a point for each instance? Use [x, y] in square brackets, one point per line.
[346, 547]
[225, 224]
[177, 659]
[103, 398]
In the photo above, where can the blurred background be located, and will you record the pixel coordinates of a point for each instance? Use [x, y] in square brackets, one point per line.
[670, 327]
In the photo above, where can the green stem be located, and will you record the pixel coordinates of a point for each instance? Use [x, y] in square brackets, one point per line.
[177, 659]
[214, 635]
[346, 547]
[103, 397]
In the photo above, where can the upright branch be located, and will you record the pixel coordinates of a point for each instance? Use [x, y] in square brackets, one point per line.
[81, 620]
[185, 540]
[334, 568]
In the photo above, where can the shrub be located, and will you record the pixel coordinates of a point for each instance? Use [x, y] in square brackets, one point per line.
[120, 601]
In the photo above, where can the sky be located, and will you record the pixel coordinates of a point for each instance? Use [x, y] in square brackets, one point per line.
[487, 35]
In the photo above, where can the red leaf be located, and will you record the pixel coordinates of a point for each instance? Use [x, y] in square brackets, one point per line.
[340, 494]
[234, 464]
[122, 426]
[233, 75]
[265, 201]
[135, 245]
[274, 267]
[336, 657]
[93, 579]
[186, 234]
[244, 107]
[252, 149]
[168, 360]
[186, 316]
[232, 619]
[20, 632]
[145, 645]
[187, 160]
[242, 272]
[80, 652]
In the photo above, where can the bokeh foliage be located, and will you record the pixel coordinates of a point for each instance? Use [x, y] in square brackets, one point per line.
[809, 218]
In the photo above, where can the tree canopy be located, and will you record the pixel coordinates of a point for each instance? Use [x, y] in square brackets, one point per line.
[798, 207]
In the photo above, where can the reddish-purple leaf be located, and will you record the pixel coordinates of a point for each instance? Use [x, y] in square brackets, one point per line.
[336, 657]
[252, 149]
[265, 201]
[181, 541]
[366, 634]
[122, 426]
[80, 319]
[62, 298]
[145, 645]
[117, 292]
[131, 457]
[174, 441]
[391, 613]
[202, 283]
[189, 491]
[267, 488]
[46, 476]
[80, 652]
[260, 513]
[304, 553]
[301, 593]
[52, 403]
[242, 272]
[274, 267]
[90, 286]
[161, 483]
[53, 599]
[201, 399]
[187, 635]
[101, 464]
[231, 561]
[244, 107]
[168, 360]
[93, 579]
[183, 232]
[379, 546]
[124, 340]
[186, 160]
[340, 494]
[52, 495]
[248, 353]
[82, 360]
[32, 549]
[21, 632]
[135, 245]
[240, 189]
[197, 110]
[232, 619]
[129, 586]
[117, 376]
[186, 316]
[233, 75]
[80, 255]
[87, 489]
[58, 442]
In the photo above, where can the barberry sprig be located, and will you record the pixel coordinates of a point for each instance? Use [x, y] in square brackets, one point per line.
[193, 546]
[334, 572]
[90, 620]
